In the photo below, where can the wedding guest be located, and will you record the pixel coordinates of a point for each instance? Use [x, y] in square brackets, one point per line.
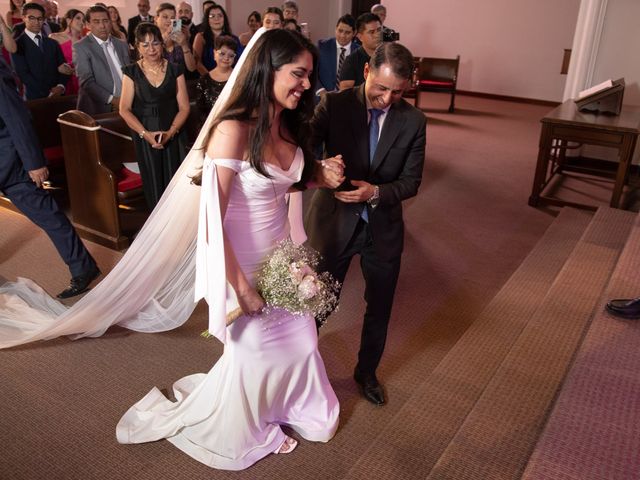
[99, 58]
[272, 18]
[14, 14]
[369, 32]
[23, 169]
[211, 84]
[203, 45]
[7, 42]
[382, 140]
[290, 10]
[388, 34]
[185, 13]
[73, 25]
[51, 14]
[176, 43]
[254, 21]
[37, 58]
[333, 53]
[143, 16]
[155, 105]
[117, 30]
[291, 24]
[205, 5]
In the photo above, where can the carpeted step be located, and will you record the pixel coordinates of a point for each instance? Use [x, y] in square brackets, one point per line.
[593, 430]
[500, 432]
[415, 438]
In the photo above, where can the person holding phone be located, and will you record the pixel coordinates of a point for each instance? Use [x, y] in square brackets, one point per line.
[175, 37]
[155, 105]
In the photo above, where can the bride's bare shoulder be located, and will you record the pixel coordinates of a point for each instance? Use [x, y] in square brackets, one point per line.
[229, 140]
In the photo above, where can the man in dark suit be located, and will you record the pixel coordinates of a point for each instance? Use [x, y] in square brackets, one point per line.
[99, 58]
[382, 142]
[38, 57]
[333, 52]
[143, 16]
[22, 171]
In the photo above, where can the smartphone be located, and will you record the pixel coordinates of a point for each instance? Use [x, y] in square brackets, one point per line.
[159, 138]
[176, 25]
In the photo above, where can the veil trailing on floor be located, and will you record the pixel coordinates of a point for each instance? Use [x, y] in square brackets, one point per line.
[152, 288]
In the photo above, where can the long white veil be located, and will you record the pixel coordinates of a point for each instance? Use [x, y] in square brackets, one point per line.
[151, 289]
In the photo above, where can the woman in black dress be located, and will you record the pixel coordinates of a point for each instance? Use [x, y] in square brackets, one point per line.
[211, 84]
[155, 105]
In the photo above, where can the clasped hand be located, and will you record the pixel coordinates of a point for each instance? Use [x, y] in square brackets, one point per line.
[331, 174]
[251, 302]
[361, 194]
[158, 139]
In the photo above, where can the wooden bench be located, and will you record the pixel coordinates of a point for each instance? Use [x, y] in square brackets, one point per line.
[438, 75]
[98, 183]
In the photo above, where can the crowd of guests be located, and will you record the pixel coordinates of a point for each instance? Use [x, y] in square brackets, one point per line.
[135, 70]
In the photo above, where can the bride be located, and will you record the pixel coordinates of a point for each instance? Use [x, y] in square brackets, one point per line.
[271, 373]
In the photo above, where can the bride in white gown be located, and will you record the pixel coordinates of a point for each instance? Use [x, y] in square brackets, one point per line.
[271, 373]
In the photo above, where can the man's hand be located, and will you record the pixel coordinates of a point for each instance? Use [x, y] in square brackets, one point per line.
[363, 193]
[39, 176]
[66, 69]
[331, 174]
[56, 91]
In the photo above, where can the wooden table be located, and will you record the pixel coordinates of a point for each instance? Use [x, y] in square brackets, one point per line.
[565, 128]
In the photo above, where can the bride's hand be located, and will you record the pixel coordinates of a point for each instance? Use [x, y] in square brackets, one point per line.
[332, 172]
[250, 302]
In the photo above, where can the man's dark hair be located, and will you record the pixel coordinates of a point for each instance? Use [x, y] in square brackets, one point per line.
[397, 56]
[94, 9]
[32, 6]
[347, 20]
[364, 19]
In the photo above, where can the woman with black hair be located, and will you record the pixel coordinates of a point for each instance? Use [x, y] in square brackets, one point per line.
[271, 373]
[215, 23]
[155, 105]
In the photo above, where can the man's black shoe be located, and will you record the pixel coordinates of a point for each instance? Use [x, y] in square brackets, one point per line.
[80, 284]
[624, 307]
[370, 388]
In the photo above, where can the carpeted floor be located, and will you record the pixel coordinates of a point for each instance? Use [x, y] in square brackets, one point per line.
[467, 231]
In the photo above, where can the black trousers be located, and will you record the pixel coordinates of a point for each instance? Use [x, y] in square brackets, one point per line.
[381, 277]
[40, 207]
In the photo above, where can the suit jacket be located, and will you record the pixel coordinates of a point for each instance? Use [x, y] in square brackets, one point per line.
[340, 122]
[47, 27]
[327, 65]
[19, 145]
[94, 74]
[38, 68]
[131, 28]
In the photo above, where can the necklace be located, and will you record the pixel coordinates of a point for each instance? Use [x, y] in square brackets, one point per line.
[156, 71]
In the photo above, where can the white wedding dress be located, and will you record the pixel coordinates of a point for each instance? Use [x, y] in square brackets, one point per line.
[271, 372]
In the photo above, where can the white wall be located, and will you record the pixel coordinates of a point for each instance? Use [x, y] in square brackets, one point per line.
[619, 47]
[506, 47]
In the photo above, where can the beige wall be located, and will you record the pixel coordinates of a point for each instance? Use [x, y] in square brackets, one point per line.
[619, 47]
[506, 47]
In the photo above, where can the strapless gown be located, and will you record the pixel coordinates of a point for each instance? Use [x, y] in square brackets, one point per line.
[270, 374]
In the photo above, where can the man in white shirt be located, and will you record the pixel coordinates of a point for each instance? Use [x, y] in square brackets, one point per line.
[143, 16]
[333, 52]
[99, 58]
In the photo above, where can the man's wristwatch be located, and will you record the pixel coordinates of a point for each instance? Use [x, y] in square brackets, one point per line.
[375, 198]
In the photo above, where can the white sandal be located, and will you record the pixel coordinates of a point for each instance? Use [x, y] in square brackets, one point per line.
[287, 446]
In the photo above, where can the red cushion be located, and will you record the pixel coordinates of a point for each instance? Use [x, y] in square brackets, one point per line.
[436, 83]
[54, 156]
[128, 180]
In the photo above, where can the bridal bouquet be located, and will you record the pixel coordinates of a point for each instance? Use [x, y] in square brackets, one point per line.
[288, 280]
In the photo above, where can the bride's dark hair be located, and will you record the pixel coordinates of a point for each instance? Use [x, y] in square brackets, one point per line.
[252, 97]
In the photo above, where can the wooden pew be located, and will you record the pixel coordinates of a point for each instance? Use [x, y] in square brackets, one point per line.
[95, 150]
[438, 75]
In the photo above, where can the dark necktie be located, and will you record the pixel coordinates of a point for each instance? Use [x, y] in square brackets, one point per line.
[374, 132]
[38, 41]
[343, 52]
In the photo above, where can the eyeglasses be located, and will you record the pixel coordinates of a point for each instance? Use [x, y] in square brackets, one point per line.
[31, 18]
[218, 16]
[147, 45]
[230, 55]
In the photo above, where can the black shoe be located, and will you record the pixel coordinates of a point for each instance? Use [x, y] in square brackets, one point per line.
[625, 308]
[370, 388]
[80, 283]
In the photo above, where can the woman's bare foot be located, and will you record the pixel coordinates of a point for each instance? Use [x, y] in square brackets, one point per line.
[287, 446]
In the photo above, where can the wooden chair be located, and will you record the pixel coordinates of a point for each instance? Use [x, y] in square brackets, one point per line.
[438, 75]
[95, 149]
[411, 92]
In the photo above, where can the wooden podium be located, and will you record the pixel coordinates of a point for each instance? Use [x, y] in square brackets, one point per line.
[607, 100]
